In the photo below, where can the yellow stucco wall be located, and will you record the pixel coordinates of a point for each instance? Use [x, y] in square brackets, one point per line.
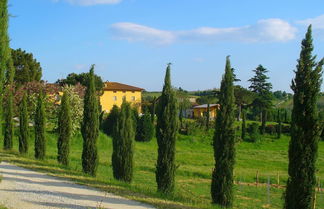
[111, 98]
[199, 112]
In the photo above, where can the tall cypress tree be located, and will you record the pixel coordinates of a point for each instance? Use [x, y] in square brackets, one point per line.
[90, 127]
[166, 132]
[23, 126]
[224, 141]
[243, 124]
[40, 141]
[279, 124]
[64, 128]
[6, 68]
[8, 128]
[123, 151]
[305, 129]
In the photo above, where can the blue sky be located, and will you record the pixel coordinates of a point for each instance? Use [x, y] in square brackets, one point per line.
[131, 41]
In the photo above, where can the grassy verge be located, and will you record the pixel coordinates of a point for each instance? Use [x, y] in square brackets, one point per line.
[195, 160]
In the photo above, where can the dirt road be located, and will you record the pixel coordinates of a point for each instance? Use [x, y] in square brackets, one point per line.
[25, 189]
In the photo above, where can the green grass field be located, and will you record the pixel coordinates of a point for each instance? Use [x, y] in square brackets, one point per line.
[195, 160]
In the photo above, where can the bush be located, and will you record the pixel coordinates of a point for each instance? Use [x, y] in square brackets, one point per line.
[254, 133]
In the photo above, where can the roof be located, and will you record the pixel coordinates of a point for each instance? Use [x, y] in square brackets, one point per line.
[205, 106]
[115, 86]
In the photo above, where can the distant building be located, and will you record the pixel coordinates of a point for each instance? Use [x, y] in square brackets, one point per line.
[201, 110]
[114, 93]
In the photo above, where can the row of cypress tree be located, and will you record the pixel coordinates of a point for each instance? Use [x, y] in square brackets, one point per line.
[305, 132]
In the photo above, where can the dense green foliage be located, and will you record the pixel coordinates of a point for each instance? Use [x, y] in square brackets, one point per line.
[262, 88]
[8, 127]
[254, 132]
[39, 123]
[305, 129]
[145, 128]
[123, 150]
[243, 135]
[65, 130]
[83, 79]
[223, 143]
[90, 127]
[279, 126]
[23, 126]
[26, 66]
[109, 123]
[166, 133]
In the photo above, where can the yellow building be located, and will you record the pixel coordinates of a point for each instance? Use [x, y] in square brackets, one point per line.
[114, 93]
[201, 110]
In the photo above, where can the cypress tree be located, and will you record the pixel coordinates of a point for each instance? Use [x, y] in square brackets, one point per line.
[166, 132]
[23, 126]
[279, 125]
[111, 121]
[6, 68]
[123, 151]
[64, 128]
[90, 127]
[145, 129]
[243, 125]
[40, 141]
[207, 116]
[305, 129]
[224, 137]
[153, 110]
[8, 128]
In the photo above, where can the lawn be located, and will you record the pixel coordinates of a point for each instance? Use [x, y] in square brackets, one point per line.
[195, 159]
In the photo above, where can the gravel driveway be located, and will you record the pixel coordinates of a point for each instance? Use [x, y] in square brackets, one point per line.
[25, 189]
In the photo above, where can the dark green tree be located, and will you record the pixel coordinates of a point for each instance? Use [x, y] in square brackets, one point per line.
[123, 151]
[145, 128]
[224, 141]
[305, 129]
[26, 66]
[166, 134]
[243, 125]
[4, 52]
[262, 88]
[279, 124]
[40, 140]
[90, 127]
[23, 126]
[6, 76]
[83, 79]
[8, 128]
[208, 117]
[64, 129]
[110, 121]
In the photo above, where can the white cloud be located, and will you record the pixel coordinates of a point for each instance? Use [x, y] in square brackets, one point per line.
[268, 30]
[317, 22]
[133, 32]
[90, 2]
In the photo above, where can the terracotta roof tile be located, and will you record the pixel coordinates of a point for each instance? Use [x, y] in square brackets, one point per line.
[115, 86]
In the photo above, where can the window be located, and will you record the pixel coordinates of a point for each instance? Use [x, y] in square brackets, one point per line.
[124, 91]
[133, 91]
[114, 98]
[115, 91]
[133, 98]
